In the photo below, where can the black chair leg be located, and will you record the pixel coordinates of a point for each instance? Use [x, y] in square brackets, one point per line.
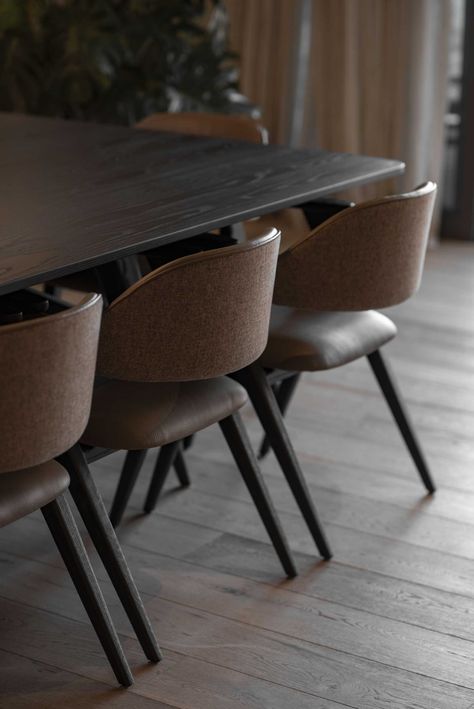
[268, 411]
[181, 468]
[238, 442]
[283, 395]
[394, 401]
[93, 512]
[165, 460]
[128, 477]
[66, 535]
[188, 442]
[176, 460]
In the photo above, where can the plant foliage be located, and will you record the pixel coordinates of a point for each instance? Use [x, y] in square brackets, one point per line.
[114, 60]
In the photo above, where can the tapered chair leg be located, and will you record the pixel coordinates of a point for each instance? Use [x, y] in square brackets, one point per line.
[181, 468]
[268, 411]
[394, 401]
[66, 535]
[239, 444]
[128, 477]
[162, 466]
[165, 460]
[93, 512]
[283, 395]
[188, 442]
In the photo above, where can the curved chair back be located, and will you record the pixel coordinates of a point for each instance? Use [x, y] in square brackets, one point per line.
[197, 317]
[210, 125]
[367, 256]
[47, 368]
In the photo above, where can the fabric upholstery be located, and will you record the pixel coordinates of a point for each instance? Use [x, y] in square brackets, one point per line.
[25, 491]
[369, 256]
[46, 377]
[212, 125]
[197, 317]
[136, 415]
[306, 341]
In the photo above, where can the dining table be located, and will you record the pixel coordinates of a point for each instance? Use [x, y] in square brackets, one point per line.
[77, 195]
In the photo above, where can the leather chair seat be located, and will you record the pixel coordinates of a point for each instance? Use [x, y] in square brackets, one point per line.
[83, 281]
[309, 341]
[140, 415]
[24, 491]
[291, 222]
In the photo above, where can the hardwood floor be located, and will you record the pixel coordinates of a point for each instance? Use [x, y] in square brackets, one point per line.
[388, 623]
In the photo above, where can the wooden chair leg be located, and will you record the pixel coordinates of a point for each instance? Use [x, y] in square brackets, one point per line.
[66, 535]
[283, 395]
[93, 512]
[188, 442]
[394, 401]
[181, 468]
[268, 411]
[238, 442]
[165, 460]
[128, 477]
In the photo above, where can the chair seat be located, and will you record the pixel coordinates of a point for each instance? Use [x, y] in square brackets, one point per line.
[309, 341]
[136, 416]
[83, 281]
[291, 222]
[24, 491]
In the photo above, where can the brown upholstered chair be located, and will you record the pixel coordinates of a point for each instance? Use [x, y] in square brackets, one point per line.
[46, 376]
[294, 225]
[369, 256]
[165, 345]
[211, 125]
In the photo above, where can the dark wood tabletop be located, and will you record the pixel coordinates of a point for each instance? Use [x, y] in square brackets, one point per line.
[75, 195]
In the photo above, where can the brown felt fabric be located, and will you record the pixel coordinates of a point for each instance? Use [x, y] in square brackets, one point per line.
[369, 256]
[309, 341]
[198, 317]
[46, 375]
[136, 415]
[25, 491]
[212, 125]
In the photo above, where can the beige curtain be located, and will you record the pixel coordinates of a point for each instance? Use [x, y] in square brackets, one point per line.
[377, 83]
[375, 76]
[265, 35]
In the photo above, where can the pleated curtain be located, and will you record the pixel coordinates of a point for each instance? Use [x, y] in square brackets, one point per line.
[374, 77]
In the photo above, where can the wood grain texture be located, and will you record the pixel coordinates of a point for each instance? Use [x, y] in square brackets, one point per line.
[76, 195]
[388, 623]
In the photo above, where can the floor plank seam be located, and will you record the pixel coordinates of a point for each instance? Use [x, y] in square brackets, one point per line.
[328, 526]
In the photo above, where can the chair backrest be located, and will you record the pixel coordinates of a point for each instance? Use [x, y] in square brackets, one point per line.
[47, 368]
[197, 317]
[211, 125]
[367, 256]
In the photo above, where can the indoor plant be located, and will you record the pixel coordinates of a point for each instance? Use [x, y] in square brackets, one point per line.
[114, 60]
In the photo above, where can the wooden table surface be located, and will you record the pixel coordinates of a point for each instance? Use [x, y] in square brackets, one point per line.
[75, 195]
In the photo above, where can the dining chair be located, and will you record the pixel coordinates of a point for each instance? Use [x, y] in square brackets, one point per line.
[211, 125]
[46, 379]
[328, 287]
[294, 223]
[165, 345]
